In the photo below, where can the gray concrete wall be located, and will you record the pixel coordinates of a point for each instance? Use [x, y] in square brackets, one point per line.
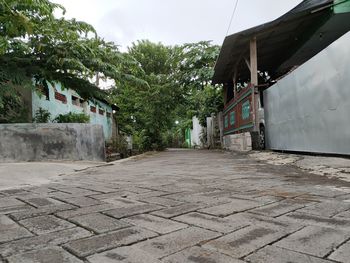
[49, 142]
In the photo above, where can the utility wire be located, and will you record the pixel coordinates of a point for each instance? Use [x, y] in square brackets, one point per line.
[232, 16]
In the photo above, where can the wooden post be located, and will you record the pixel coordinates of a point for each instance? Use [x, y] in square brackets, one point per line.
[235, 83]
[254, 81]
[225, 93]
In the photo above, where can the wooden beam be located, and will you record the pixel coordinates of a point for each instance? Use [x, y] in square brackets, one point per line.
[235, 83]
[254, 82]
[253, 62]
[247, 63]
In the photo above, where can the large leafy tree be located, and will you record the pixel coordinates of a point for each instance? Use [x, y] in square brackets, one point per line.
[33, 43]
[147, 108]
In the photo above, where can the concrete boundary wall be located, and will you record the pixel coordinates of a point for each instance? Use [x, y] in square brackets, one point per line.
[51, 142]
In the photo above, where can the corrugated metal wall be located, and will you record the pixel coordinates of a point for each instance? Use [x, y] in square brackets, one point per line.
[309, 110]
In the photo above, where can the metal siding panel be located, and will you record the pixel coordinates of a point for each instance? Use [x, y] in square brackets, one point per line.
[309, 110]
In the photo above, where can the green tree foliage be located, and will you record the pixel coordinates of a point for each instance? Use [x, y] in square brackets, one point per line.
[33, 43]
[146, 108]
[177, 88]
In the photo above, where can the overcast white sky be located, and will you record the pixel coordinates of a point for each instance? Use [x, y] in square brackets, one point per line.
[172, 21]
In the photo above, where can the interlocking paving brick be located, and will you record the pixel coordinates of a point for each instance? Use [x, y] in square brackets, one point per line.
[7, 202]
[161, 201]
[84, 211]
[214, 223]
[171, 243]
[314, 240]
[45, 224]
[132, 210]
[40, 211]
[308, 219]
[247, 240]
[75, 191]
[39, 202]
[99, 223]
[342, 254]
[155, 223]
[122, 202]
[124, 254]
[280, 208]
[96, 244]
[237, 205]
[272, 254]
[82, 201]
[199, 255]
[10, 230]
[47, 255]
[42, 241]
[326, 209]
[14, 209]
[177, 210]
[345, 214]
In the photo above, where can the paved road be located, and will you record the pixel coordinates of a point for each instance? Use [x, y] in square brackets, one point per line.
[176, 207]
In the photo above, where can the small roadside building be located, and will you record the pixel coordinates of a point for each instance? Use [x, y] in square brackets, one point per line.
[59, 101]
[286, 83]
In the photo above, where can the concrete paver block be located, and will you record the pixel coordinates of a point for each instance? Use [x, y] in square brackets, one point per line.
[45, 224]
[272, 254]
[247, 240]
[198, 255]
[47, 255]
[314, 240]
[342, 254]
[213, 223]
[124, 254]
[155, 223]
[171, 243]
[132, 210]
[10, 230]
[237, 205]
[177, 210]
[88, 246]
[42, 241]
[99, 223]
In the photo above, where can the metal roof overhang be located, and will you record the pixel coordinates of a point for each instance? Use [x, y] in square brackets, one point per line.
[284, 43]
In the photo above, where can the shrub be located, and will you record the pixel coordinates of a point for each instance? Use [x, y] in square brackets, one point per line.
[72, 118]
[42, 116]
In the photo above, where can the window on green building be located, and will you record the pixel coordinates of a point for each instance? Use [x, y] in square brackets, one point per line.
[226, 121]
[246, 110]
[232, 118]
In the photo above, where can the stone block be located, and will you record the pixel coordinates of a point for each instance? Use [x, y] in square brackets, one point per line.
[10, 230]
[42, 241]
[84, 211]
[96, 244]
[45, 224]
[272, 254]
[174, 242]
[314, 240]
[124, 254]
[235, 206]
[155, 223]
[99, 223]
[342, 254]
[247, 240]
[279, 208]
[47, 255]
[213, 223]
[177, 210]
[199, 255]
[132, 210]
